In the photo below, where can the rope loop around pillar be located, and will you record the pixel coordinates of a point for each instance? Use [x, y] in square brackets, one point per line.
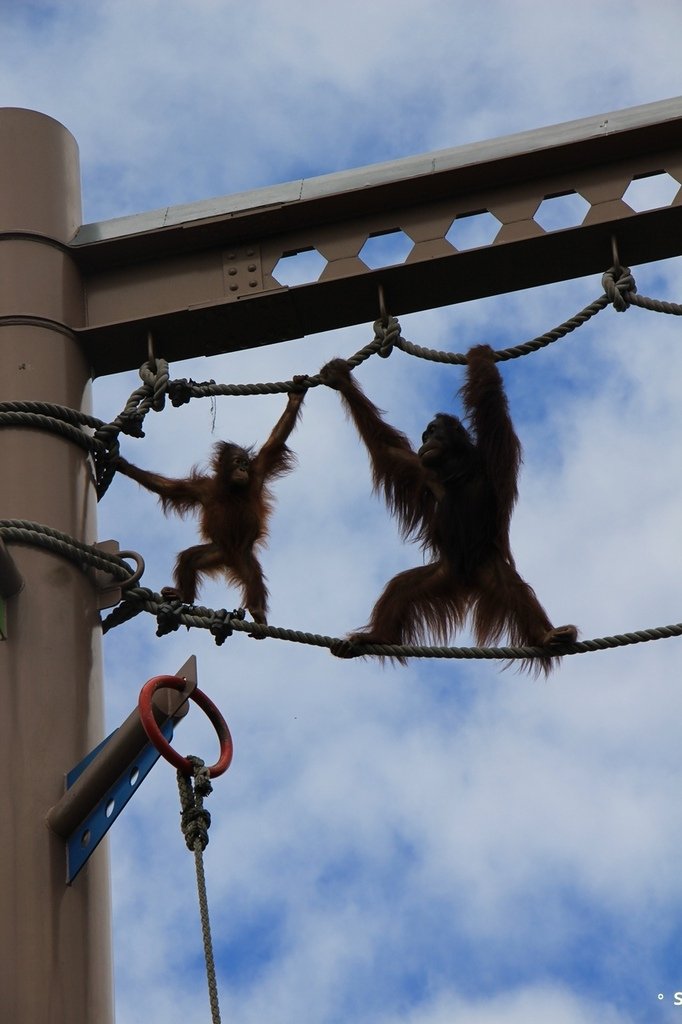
[24, 531]
[139, 599]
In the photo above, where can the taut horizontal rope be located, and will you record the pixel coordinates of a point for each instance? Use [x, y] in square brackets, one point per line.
[181, 391]
[221, 623]
[138, 599]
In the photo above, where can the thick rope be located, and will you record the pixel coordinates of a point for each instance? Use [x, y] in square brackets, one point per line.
[181, 391]
[59, 412]
[150, 395]
[55, 419]
[103, 444]
[502, 355]
[139, 599]
[618, 284]
[619, 290]
[23, 531]
[221, 623]
[655, 305]
[195, 822]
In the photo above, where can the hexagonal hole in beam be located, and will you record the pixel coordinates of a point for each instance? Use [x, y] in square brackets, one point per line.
[386, 249]
[472, 230]
[563, 211]
[651, 191]
[301, 267]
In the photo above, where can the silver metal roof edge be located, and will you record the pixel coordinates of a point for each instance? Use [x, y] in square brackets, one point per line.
[373, 175]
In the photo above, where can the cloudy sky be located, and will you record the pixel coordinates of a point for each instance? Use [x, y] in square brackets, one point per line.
[443, 843]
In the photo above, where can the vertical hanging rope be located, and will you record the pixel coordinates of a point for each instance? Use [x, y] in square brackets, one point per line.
[195, 822]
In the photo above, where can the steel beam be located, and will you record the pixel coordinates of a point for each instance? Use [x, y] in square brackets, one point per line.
[201, 276]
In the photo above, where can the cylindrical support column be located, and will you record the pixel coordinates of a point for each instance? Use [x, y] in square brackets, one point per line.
[55, 964]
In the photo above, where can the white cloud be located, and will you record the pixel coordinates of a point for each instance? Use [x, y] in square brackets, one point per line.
[525, 1006]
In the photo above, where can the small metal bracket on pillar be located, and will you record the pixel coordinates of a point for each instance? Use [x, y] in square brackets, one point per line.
[10, 584]
[109, 589]
[100, 786]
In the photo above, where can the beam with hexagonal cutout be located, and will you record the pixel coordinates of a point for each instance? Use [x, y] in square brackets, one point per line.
[292, 260]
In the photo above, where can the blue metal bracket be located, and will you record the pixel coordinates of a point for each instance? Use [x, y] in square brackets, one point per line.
[83, 841]
[100, 786]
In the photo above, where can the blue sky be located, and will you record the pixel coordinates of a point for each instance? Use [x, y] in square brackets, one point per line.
[443, 843]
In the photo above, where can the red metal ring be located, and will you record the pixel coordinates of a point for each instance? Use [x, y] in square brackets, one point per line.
[161, 743]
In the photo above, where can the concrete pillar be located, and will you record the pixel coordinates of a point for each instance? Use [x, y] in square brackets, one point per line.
[55, 941]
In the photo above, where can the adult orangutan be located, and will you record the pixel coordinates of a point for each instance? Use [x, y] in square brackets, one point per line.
[455, 495]
[234, 504]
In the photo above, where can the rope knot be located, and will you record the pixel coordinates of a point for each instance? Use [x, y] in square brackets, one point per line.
[221, 626]
[130, 423]
[195, 823]
[180, 391]
[154, 375]
[386, 332]
[195, 820]
[168, 617]
[618, 283]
